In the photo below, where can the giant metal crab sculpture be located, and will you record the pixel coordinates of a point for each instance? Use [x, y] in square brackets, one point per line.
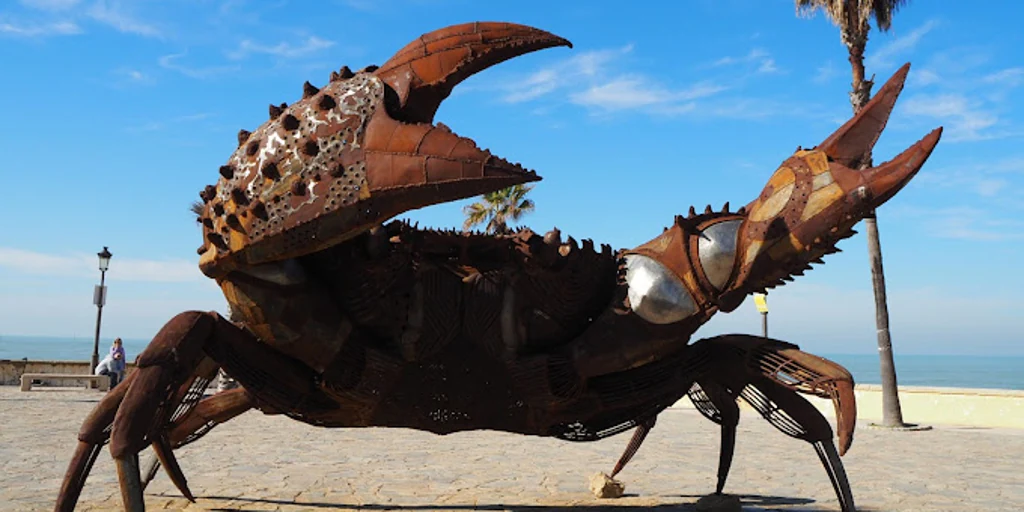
[348, 321]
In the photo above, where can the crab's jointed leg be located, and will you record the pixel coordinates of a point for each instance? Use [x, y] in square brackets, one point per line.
[769, 375]
[207, 414]
[159, 403]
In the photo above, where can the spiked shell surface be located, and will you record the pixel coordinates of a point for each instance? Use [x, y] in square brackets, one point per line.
[304, 162]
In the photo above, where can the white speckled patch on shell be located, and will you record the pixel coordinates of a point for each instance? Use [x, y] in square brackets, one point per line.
[335, 131]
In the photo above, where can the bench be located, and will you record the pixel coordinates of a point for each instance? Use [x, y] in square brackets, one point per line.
[101, 382]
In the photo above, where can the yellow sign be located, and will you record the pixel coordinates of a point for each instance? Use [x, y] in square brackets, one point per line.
[761, 301]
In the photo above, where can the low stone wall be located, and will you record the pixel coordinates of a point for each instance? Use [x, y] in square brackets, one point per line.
[11, 370]
[989, 408]
[924, 405]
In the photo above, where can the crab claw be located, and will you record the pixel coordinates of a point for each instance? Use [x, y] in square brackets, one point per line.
[853, 142]
[816, 197]
[360, 150]
[424, 72]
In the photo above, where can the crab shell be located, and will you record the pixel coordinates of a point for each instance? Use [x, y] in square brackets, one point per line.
[357, 152]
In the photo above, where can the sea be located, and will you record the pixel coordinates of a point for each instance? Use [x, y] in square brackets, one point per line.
[988, 372]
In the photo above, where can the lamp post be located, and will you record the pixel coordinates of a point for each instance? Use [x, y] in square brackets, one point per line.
[99, 297]
[761, 301]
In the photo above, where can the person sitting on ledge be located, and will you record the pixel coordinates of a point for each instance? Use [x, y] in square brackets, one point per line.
[108, 367]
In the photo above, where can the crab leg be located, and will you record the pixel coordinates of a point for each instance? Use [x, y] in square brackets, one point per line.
[209, 413]
[769, 374]
[172, 372]
[719, 406]
[95, 432]
[639, 435]
[794, 416]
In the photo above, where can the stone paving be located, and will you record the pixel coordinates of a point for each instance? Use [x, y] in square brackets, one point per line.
[259, 462]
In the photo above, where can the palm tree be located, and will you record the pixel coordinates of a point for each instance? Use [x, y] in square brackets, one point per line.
[851, 16]
[498, 208]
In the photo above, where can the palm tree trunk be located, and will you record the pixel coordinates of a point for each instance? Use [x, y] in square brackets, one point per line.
[892, 414]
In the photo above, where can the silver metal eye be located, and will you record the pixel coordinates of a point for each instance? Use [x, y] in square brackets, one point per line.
[655, 293]
[717, 249]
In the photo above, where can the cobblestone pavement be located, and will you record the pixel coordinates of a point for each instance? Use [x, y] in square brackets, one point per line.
[259, 462]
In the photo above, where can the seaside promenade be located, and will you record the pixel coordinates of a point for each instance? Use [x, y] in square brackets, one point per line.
[259, 462]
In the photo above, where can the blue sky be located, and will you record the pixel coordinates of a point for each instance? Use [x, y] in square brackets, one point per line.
[118, 113]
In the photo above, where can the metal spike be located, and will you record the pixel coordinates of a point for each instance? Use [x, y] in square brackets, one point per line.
[553, 237]
[572, 243]
[334, 76]
[819, 261]
[217, 240]
[725, 207]
[299, 188]
[692, 213]
[742, 210]
[270, 171]
[218, 209]
[252, 148]
[290, 122]
[243, 135]
[234, 223]
[259, 210]
[678, 219]
[588, 244]
[708, 210]
[309, 90]
[201, 250]
[310, 148]
[208, 193]
[227, 171]
[238, 196]
[345, 73]
[275, 111]
[369, 69]
[208, 223]
[326, 102]
[338, 171]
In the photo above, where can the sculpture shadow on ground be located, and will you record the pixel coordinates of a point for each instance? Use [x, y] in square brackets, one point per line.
[750, 503]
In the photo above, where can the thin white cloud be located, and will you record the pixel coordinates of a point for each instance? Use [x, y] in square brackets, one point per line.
[925, 77]
[59, 28]
[825, 73]
[885, 56]
[310, 45]
[768, 66]
[967, 223]
[171, 62]
[50, 5]
[581, 68]
[964, 119]
[111, 14]
[632, 92]
[583, 79]
[757, 56]
[84, 265]
[1010, 77]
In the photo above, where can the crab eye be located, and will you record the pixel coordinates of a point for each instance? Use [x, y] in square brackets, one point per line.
[655, 293]
[717, 249]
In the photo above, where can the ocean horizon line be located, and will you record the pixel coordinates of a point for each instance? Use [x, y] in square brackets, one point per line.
[976, 371]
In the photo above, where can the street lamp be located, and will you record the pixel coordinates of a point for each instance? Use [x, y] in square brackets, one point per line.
[99, 297]
[761, 301]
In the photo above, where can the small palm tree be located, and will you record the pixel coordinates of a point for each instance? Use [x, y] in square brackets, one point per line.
[498, 208]
[851, 16]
